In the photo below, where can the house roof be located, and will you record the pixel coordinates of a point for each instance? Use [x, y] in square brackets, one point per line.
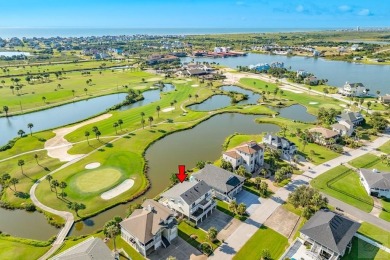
[331, 230]
[338, 126]
[326, 133]
[249, 147]
[355, 84]
[232, 154]
[145, 223]
[196, 71]
[189, 191]
[218, 178]
[375, 179]
[350, 116]
[92, 248]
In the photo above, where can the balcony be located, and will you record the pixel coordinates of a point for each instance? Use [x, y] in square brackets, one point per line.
[205, 203]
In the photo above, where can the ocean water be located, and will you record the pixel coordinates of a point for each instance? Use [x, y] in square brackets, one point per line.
[78, 32]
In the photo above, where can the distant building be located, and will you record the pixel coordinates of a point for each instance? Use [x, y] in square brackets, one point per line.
[354, 117]
[221, 49]
[302, 73]
[312, 81]
[353, 90]
[90, 249]
[375, 182]
[226, 185]
[323, 135]
[385, 99]
[250, 155]
[287, 148]
[260, 67]
[328, 235]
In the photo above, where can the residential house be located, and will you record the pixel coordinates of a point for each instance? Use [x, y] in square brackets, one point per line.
[286, 148]
[323, 135]
[353, 90]
[260, 67]
[196, 72]
[375, 182]
[312, 81]
[226, 185]
[92, 248]
[302, 73]
[250, 155]
[354, 117]
[192, 199]
[328, 235]
[385, 99]
[149, 228]
[343, 127]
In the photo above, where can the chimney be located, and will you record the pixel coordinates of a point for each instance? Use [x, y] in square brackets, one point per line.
[149, 208]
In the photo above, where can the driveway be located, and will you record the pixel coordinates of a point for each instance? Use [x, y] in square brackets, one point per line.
[251, 201]
[179, 249]
[225, 224]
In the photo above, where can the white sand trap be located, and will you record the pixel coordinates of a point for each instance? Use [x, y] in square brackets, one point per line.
[343, 105]
[188, 80]
[118, 190]
[168, 109]
[154, 79]
[292, 90]
[92, 166]
[313, 103]
[195, 86]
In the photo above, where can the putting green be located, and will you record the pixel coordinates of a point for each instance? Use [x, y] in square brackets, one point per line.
[99, 179]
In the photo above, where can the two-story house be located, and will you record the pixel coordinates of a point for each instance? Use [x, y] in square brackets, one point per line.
[376, 183]
[226, 185]
[323, 135]
[354, 117]
[250, 155]
[192, 199]
[353, 90]
[287, 148]
[344, 128]
[149, 228]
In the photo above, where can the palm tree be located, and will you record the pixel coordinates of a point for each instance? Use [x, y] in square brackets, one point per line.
[175, 102]
[86, 134]
[76, 207]
[63, 185]
[143, 123]
[212, 234]
[115, 125]
[14, 181]
[189, 96]
[112, 232]
[368, 105]
[150, 119]
[55, 184]
[44, 99]
[281, 94]
[233, 206]
[196, 97]
[86, 91]
[158, 111]
[378, 93]
[21, 133]
[258, 182]
[98, 134]
[5, 108]
[30, 126]
[21, 163]
[264, 172]
[120, 123]
[142, 115]
[49, 178]
[36, 158]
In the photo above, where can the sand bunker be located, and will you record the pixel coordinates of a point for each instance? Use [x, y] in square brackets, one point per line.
[168, 109]
[313, 103]
[292, 90]
[195, 86]
[92, 166]
[118, 190]
[343, 105]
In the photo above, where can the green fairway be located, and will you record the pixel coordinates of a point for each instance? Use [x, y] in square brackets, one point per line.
[14, 249]
[370, 161]
[96, 180]
[375, 233]
[385, 148]
[363, 250]
[344, 184]
[264, 238]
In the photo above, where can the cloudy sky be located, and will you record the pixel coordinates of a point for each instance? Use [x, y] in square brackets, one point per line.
[195, 14]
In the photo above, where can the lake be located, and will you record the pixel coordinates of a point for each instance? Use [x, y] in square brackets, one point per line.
[13, 53]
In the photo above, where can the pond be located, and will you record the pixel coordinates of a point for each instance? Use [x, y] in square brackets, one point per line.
[252, 96]
[375, 77]
[13, 53]
[179, 148]
[295, 112]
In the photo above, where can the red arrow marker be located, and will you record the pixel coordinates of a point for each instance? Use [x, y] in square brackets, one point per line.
[181, 176]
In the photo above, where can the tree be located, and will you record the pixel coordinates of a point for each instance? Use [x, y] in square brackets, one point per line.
[86, 91]
[212, 233]
[6, 109]
[142, 115]
[76, 207]
[21, 163]
[368, 105]
[14, 181]
[243, 172]
[63, 185]
[30, 126]
[112, 232]
[196, 97]
[263, 188]
[158, 108]
[36, 158]
[21, 133]
[241, 208]
[150, 119]
[143, 123]
[4, 179]
[49, 178]
[86, 134]
[233, 206]
[44, 99]
[115, 125]
[73, 91]
[120, 123]
[266, 254]
[55, 184]
[284, 130]
[263, 172]
[189, 96]
[200, 164]
[258, 182]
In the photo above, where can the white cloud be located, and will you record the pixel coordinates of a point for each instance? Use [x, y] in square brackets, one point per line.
[364, 12]
[344, 8]
[300, 8]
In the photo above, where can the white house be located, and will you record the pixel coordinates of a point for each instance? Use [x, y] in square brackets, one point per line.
[226, 185]
[376, 183]
[287, 148]
[192, 199]
[149, 228]
[249, 154]
[353, 117]
[343, 127]
[353, 90]
[302, 73]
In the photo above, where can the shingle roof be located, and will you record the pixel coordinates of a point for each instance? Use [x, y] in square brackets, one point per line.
[188, 191]
[218, 178]
[351, 116]
[249, 147]
[326, 133]
[232, 154]
[379, 180]
[92, 248]
[145, 223]
[339, 127]
[331, 230]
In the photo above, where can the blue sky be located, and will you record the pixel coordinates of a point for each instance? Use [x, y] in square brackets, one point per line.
[195, 14]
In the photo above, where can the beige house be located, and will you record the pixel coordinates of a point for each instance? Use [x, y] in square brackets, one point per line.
[323, 135]
[250, 155]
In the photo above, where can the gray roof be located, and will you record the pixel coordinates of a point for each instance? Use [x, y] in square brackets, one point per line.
[350, 116]
[375, 179]
[218, 178]
[188, 191]
[356, 84]
[92, 248]
[145, 223]
[339, 127]
[331, 230]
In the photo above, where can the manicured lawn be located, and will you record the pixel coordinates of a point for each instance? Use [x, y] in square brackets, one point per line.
[97, 180]
[224, 207]
[345, 186]
[237, 139]
[18, 250]
[363, 250]
[385, 148]
[185, 232]
[375, 233]
[370, 161]
[264, 238]
[298, 211]
[385, 214]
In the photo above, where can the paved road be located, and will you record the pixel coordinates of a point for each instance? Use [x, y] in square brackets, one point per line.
[246, 230]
